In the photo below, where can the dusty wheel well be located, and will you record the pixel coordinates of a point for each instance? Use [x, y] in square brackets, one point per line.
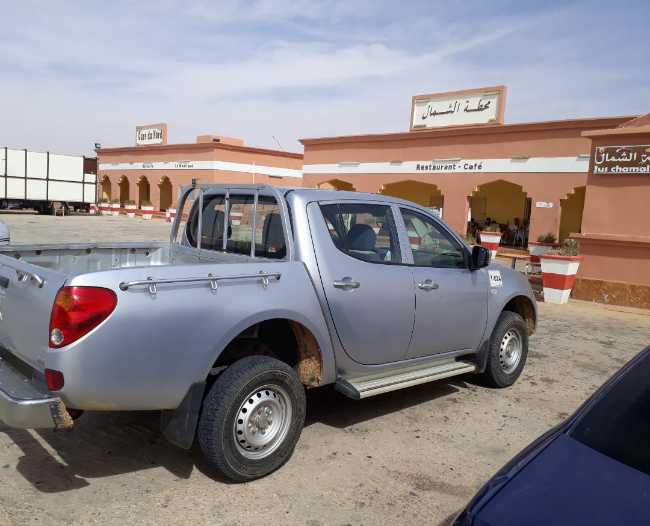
[523, 306]
[286, 340]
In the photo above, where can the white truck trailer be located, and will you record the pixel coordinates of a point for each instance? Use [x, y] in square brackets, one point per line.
[45, 181]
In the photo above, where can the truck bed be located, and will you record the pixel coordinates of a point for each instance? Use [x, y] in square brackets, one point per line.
[73, 259]
[32, 275]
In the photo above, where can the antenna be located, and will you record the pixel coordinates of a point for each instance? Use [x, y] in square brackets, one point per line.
[277, 142]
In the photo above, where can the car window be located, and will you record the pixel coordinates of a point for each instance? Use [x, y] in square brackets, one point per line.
[363, 231]
[269, 233]
[618, 425]
[430, 244]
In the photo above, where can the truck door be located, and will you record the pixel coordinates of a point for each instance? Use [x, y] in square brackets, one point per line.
[450, 300]
[369, 290]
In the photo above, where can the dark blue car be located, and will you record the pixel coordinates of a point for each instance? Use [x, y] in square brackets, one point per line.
[592, 469]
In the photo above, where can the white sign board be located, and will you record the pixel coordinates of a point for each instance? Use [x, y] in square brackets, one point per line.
[145, 136]
[543, 204]
[457, 109]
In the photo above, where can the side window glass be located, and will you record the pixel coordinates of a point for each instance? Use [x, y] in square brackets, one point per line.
[430, 244]
[363, 231]
[269, 235]
[189, 219]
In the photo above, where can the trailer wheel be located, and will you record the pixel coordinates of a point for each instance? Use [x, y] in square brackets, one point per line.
[252, 418]
[507, 351]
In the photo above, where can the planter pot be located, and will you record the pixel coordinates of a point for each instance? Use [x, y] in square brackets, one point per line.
[130, 210]
[558, 276]
[537, 249]
[491, 241]
[147, 212]
[170, 215]
[105, 209]
[115, 209]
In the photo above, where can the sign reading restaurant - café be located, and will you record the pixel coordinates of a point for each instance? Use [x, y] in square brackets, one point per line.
[457, 108]
[622, 160]
[151, 134]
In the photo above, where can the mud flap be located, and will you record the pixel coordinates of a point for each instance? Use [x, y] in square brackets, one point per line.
[179, 425]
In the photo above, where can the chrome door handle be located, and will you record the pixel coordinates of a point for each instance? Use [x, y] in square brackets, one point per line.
[346, 284]
[427, 284]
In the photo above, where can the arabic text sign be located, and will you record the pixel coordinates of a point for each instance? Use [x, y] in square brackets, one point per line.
[622, 160]
[456, 109]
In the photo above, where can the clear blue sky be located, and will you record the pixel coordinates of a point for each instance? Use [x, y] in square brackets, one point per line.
[72, 73]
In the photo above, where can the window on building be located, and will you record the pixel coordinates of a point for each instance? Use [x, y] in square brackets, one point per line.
[430, 244]
[363, 231]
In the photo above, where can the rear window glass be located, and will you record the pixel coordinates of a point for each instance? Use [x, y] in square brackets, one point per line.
[363, 231]
[268, 236]
[618, 425]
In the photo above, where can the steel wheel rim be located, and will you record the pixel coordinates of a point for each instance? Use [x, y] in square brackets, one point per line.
[262, 421]
[510, 351]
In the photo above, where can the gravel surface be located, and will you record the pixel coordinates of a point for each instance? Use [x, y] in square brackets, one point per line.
[413, 456]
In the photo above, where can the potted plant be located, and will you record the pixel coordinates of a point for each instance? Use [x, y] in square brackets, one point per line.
[559, 269]
[104, 207]
[170, 215]
[115, 207]
[130, 207]
[544, 244]
[147, 209]
[491, 238]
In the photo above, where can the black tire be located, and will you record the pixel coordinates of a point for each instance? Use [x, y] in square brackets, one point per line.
[497, 373]
[227, 397]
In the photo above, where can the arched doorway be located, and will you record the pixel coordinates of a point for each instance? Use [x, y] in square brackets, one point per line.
[503, 203]
[144, 194]
[106, 190]
[424, 194]
[165, 186]
[124, 189]
[337, 184]
[571, 212]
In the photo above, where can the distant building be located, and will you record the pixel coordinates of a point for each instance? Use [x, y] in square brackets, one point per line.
[153, 171]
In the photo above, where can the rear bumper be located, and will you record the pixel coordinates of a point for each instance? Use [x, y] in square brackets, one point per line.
[27, 405]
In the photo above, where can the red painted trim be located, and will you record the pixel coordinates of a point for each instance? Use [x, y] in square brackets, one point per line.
[489, 246]
[558, 281]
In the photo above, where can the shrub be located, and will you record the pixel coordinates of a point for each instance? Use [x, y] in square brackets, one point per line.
[494, 227]
[570, 247]
[471, 239]
[145, 202]
[546, 238]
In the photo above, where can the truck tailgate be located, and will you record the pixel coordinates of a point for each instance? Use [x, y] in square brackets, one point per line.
[27, 294]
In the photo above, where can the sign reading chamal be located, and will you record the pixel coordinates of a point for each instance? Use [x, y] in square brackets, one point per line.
[458, 108]
[622, 160]
[151, 134]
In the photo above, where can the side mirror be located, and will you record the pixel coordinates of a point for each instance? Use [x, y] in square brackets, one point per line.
[480, 257]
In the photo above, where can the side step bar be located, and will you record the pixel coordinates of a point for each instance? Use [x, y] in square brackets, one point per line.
[358, 388]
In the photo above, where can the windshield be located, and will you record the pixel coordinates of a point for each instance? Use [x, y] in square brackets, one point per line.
[618, 425]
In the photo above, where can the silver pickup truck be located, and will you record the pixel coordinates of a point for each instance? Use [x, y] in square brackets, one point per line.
[261, 293]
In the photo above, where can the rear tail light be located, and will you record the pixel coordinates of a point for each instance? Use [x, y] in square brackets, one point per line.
[77, 311]
[54, 379]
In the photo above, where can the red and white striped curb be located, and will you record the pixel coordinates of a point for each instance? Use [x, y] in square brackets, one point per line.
[558, 277]
[491, 241]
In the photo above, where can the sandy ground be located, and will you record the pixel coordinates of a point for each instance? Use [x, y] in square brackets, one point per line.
[413, 456]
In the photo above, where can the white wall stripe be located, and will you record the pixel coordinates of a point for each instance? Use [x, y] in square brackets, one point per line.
[577, 164]
[204, 165]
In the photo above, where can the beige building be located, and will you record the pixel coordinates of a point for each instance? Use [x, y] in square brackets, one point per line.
[152, 171]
